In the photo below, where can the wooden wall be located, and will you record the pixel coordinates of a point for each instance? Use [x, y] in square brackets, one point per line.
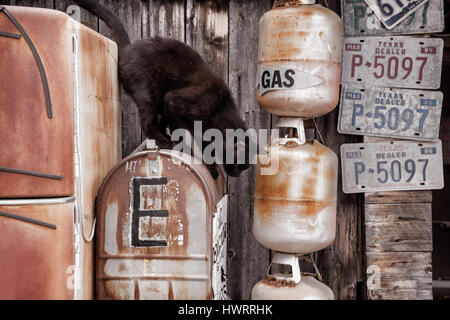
[226, 33]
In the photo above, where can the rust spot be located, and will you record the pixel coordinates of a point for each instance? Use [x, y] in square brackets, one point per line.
[309, 187]
[137, 293]
[267, 208]
[291, 144]
[287, 3]
[266, 188]
[330, 174]
[171, 296]
[287, 34]
[281, 52]
[122, 267]
[306, 12]
[307, 60]
[271, 281]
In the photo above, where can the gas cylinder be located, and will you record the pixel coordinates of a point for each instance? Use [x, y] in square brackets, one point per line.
[295, 286]
[299, 59]
[295, 206]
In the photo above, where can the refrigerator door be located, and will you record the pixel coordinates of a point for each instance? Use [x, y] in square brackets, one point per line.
[37, 260]
[36, 103]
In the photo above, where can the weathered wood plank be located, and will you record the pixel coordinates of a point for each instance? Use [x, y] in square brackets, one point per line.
[445, 138]
[403, 289]
[399, 275]
[248, 260]
[398, 236]
[401, 264]
[393, 227]
[167, 19]
[33, 3]
[399, 197]
[341, 263]
[207, 32]
[86, 18]
[417, 212]
[164, 19]
[395, 236]
[131, 14]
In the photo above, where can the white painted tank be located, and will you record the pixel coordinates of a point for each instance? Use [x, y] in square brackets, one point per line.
[295, 208]
[299, 59]
[290, 287]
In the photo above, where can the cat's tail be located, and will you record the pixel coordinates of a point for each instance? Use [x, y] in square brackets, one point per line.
[120, 34]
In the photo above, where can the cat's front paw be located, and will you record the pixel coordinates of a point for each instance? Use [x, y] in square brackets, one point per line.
[164, 143]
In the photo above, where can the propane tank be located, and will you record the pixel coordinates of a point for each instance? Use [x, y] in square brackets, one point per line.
[295, 208]
[295, 286]
[299, 59]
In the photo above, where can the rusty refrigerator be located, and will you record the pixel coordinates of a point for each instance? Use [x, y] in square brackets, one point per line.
[59, 136]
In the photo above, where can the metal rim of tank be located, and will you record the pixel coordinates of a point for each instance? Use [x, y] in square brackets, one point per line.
[291, 3]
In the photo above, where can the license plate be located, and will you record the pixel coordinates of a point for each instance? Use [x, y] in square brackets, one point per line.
[392, 12]
[392, 113]
[360, 20]
[391, 166]
[399, 62]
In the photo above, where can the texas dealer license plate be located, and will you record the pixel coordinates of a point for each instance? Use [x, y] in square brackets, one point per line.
[391, 113]
[391, 166]
[392, 12]
[400, 62]
[359, 20]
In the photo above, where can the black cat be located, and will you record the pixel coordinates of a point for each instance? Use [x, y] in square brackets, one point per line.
[172, 86]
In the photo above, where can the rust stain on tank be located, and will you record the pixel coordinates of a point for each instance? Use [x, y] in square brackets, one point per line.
[171, 295]
[287, 3]
[137, 292]
[268, 208]
[123, 267]
[307, 60]
[287, 34]
[266, 188]
[273, 282]
[309, 187]
[330, 174]
[312, 207]
[306, 12]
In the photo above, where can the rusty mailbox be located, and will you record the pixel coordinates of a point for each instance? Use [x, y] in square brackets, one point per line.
[158, 213]
[60, 135]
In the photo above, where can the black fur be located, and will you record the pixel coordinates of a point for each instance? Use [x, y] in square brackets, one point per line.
[172, 86]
